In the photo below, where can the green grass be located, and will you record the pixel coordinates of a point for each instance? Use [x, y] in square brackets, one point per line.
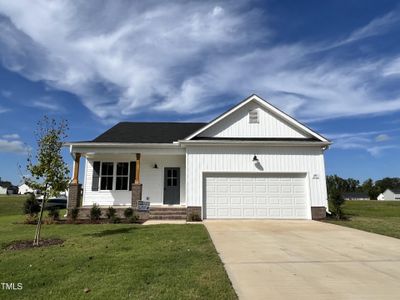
[382, 217]
[115, 261]
[11, 205]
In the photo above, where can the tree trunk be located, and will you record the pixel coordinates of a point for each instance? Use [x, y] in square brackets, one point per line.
[36, 239]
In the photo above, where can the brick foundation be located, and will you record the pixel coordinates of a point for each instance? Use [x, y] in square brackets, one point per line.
[318, 212]
[193, 210]
[74, 195]
[84, 213]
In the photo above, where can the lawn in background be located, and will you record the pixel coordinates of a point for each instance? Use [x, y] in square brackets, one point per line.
[381, 217]
[114, 261]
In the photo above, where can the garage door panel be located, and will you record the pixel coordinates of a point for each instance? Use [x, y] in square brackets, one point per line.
[255, 196]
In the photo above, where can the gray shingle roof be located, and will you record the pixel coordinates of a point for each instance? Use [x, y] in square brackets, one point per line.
[148, 132]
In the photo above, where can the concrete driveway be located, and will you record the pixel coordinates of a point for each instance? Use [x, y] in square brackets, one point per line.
[272, 259]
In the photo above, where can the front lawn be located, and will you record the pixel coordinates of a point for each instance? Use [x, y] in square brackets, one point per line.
[114, 261]
[381, 217]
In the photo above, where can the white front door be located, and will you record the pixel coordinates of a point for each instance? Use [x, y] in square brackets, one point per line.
[246, 195]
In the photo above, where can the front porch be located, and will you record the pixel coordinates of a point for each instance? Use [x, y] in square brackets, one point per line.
[121, 179]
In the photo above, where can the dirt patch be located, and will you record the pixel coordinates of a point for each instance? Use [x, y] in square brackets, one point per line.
[20, 245]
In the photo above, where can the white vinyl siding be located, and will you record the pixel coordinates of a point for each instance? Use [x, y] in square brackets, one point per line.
[208, 159]
[151, 178]
[237, 125]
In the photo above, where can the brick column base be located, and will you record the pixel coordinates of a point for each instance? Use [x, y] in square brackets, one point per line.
[136, 195]
[193, 213]
[74, 195]
[318, 212]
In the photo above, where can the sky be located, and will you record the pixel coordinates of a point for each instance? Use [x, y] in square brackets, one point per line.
[334, 65]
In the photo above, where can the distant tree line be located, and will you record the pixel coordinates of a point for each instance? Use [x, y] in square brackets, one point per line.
[373, 188]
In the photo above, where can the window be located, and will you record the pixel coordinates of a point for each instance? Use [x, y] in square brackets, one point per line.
[253, 116]
[172, 177]
[122, 176]
[107, 173]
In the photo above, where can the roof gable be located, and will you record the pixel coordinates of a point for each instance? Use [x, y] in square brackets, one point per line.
[273, 123]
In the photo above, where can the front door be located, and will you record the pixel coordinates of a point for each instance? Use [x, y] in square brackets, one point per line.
[171, 186]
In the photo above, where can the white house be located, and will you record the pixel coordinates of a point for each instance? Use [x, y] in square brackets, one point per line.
[24, 189]
[381, 197]
[391, 195]
[253, 161]
[3, 190]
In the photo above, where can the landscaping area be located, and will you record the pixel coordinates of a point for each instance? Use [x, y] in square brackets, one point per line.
[121, 261]
[382, 217]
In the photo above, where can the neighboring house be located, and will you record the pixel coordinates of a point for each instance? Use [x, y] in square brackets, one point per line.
[24, 189]
[391, 195]
[356, 196]
[253, 161]
[3, 190]
[12, 190]
[381, 197]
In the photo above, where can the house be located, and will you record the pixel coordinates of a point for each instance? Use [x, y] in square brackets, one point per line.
[253, 161]
[12, 190]
[24, 189]
[381, 197]
[356, 196]
[3, 190]
[391, 195]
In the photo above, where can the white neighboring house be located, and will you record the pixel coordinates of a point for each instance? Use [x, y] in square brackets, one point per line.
[391, 195]
[3, 190]
[381, 197]
[24, 189]
[253, 161]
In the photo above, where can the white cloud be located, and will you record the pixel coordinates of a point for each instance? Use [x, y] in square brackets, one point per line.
[12, 136]
[6, 93]
[123, 58]
[382, 138]
[370, 141]
[46, 104]
[3, 109]
[377, 150]
[12, 143]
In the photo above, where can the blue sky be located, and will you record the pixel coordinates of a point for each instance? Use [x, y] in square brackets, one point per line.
[334, 65]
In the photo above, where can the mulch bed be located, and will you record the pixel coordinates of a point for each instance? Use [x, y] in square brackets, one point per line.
[20, 245]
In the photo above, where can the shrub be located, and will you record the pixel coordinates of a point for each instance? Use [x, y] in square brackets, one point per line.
[336, 201]
[111, 212]
[74, 213]
[95, 212]
[115, 220]
[54, 213]
[133, 219]
[31, 206]
[128, 213]
[194, 217]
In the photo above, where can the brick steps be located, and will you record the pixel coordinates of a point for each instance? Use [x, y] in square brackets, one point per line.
[168, 213]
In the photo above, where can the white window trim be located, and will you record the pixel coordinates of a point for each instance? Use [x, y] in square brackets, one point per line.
[114, 175]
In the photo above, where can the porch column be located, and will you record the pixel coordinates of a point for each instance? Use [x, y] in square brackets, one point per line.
[137, 177]
[76, 168]
[136, 195]
[74, 190]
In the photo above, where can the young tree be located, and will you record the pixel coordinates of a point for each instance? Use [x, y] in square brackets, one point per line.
[48, 172]
[336, 201]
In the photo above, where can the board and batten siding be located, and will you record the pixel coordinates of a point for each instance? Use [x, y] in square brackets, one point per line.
[237, 125]
[151, 178]
[207, 159]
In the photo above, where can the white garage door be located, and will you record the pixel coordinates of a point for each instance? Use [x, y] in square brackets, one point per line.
[279, 196]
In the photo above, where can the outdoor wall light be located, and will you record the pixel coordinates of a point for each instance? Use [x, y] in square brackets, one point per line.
[155, 166]
[255, 159]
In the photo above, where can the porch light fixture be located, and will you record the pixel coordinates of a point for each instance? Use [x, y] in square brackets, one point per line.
[255, 159]
[155, 166]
